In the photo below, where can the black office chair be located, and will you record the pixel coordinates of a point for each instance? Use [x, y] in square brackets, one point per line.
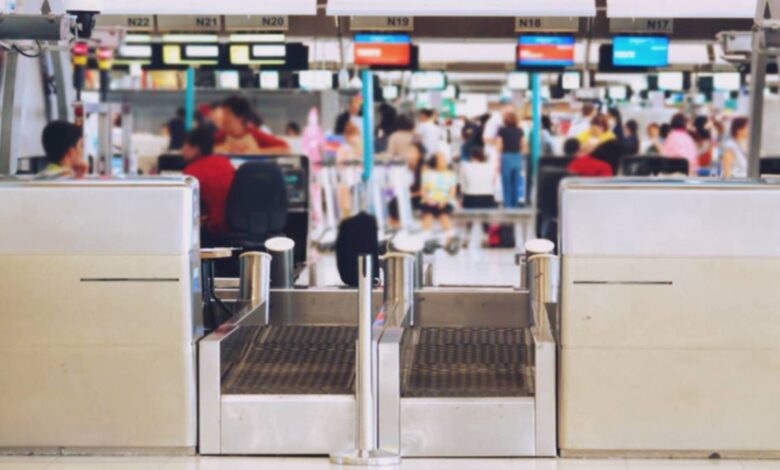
[31, 165]
[547, 202]
[358, 235]
[770, 166]
[257, 205]
[653, 166]
[560, 163]
[170, 163]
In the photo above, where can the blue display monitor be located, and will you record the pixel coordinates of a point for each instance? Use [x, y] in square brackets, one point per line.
[640, 51]
[545, 51]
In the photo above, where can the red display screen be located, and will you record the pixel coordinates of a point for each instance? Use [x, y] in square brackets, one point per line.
[382, 49]
[545, 51]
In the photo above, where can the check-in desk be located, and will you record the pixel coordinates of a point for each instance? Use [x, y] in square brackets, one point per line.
[670, 319]
[100, 315]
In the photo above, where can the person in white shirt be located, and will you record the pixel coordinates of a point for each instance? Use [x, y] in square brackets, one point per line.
[582, 123]
[734, 163]
[478, 179]
[494, 124]
[428, 132]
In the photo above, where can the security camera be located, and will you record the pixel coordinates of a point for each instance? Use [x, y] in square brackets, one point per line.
[85, 12]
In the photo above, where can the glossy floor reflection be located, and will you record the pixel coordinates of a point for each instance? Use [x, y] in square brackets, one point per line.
[245, 463]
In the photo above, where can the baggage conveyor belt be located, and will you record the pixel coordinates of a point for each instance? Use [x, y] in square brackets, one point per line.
[436, 362]
[464, 362]
[295, 360]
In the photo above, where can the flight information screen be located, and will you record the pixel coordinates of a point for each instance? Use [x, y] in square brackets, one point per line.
[640, 51]
[545, 51]
[383, 49]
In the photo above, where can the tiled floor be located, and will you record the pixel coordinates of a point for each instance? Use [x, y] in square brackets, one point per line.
[245, 463]
[495, 267]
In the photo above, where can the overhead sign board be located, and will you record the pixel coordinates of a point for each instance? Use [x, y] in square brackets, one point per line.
[467, 8]
[641, 25]
[526, 24]
[257, 23]
[382, 23]
[210, 7]
[140, 23]
[203, 23]
[731, 9]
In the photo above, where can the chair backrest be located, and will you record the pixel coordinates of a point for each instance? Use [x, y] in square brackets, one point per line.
[654, 166]
[30, 165]
[770, 166]
[547, 196]
[257, 204]
[555, 162]
[358, 235]
[170, 163]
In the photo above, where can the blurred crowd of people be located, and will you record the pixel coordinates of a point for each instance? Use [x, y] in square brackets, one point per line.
[492, 151]
[712, 146]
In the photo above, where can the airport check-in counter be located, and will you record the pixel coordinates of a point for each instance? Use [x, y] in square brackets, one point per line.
[101, 314]
[459, 372]
[670, 319]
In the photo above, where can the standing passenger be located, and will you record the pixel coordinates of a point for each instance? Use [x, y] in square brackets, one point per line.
[427, 130]
[351, 115]
[735, 150]
[478, 181]
[680, 144]
[402, 138]
[510, 143]
[653, 144]
[631, 140]
[175, 129]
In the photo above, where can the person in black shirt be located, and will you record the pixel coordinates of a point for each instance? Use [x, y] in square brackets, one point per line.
[176, 130]
[510, 145]
[631, 140]
[352, 114]
[416, 159]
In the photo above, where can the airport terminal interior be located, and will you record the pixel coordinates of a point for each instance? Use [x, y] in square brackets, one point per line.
[410, 234]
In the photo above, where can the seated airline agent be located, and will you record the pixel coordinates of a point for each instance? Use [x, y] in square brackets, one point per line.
[215, 175]
[239, 136]
[64, 146]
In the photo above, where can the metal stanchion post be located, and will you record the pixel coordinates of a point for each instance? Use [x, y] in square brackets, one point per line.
[366, 452]
[283, 266]
[543, 282]
[255, 278]
[399, 286]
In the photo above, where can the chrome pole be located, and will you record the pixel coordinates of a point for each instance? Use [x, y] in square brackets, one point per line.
[282, 251]
[366, 452]
[399, 287]
[365, 383]
[543, 278]
[757, 85]
[255, 278]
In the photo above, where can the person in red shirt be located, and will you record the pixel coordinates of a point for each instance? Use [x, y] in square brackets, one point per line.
[586, 165]
[239, 136]
[215, 175]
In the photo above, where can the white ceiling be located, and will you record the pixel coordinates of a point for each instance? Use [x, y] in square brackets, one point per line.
[681, 8]
[462, 7]
[210, 7]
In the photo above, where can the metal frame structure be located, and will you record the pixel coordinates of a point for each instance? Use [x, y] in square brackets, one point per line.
[31, 12]
[407, 416]
[766, 44]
